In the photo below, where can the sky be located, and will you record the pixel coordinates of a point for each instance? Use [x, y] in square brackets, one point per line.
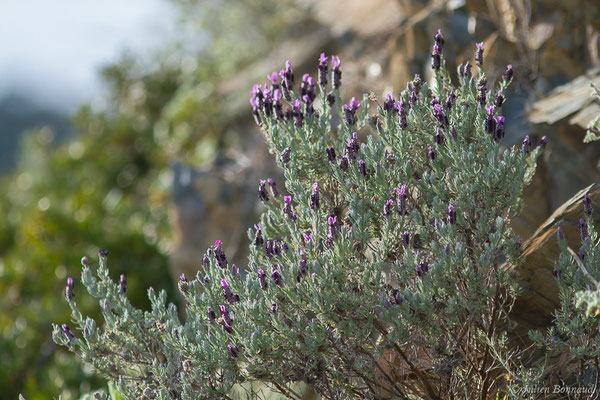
[52, 51]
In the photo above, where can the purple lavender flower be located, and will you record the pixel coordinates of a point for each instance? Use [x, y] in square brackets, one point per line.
[234, 270]
[323, 70]
[402, 122]
[205, 261]
[556, 271]
[273, 78]
[508, 74]
[490, 122]
[362, 168]
[583, 229]
[69, 290]
[273, 186]
[388, 105]
[401, 200]
[439, 39]
[289, 75]
[587, 205]
[226, 316]
[468, 73]
[67, 332]
[227, 293]
[227, 328]
[269, 249]
[499, 131]
[350, 110]
[386, 302]
[330, 99]
[258, 237]
[333, 226]
[337, 73]
[84, 261]
[233, 351]
[387, 208]
[542, 142]
[302, 270]
[330, 154]
[439, 138]
[123, 285]
[450, 100]
[436, 59]
[103, 253]
[405, 239]
[285, 156]
[499, 99]
[481, 95]
[287, 208]
[262, 191]
[422, 268]
[182, 278]
[479, 55]
[431, 154]
[314, 197]
[220, 255]
[275, 275]
[262, 279]
[526, 145]
[276, 248]
[451, 215]
[344, 164]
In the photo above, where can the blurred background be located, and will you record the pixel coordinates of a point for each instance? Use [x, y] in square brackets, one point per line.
[126, 126]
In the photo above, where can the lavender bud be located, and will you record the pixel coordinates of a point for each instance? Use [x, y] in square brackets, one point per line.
[84, 261]
[436, 59]
[454, 133]
[362, 168]
[322, 70]
[398, 298]
[422, 268]
[386, 302]
[276, 248]
[405, 239]
[437, 225]
[103, 253]
[388, 105]
[413, 98]
[431, 154]
[451, 215]
[67, 332]
[499, 99]
[233, 351]
[289, 75]
[285, 156]
[587, 205]
[330, 154]
[337, 73]
[262, 280]
[439, 138]
[69, 290]
[479, 55]
[273, 186]
[350, 110]
[220, 255]
[583, 229]
[258, 238]
[387, 208]
[123, 284]
[269, 249]
[401, 200]
[468, 66]
[508, 74]
[439, 39]
[227, 329]
[542, 142]
[314, 197]
[183, 284]
[447, 249]
[581, 254]
[499, 132]
[262, 191]
[276, 276]
[526, 145]
[227, 293]
[226, 316]
[302, 270]
[344, 164]
[450, 100]
[481, 95]
[330, 99]
[556, 271]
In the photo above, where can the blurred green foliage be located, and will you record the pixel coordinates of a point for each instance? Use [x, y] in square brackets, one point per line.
[107, 187]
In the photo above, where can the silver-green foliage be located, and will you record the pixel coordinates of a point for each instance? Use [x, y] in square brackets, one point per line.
[373, 316]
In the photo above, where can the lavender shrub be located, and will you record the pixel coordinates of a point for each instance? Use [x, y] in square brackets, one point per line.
[378, 270]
